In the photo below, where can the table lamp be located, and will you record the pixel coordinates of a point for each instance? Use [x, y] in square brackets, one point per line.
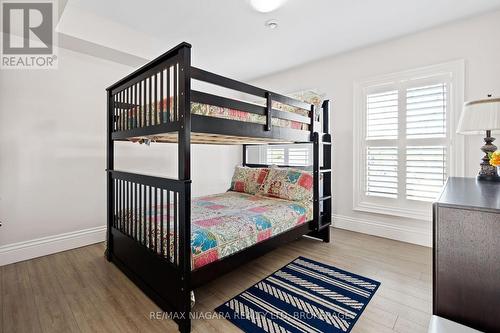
[478, 117]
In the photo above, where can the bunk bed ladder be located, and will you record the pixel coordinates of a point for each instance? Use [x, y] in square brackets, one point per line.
[322, 175]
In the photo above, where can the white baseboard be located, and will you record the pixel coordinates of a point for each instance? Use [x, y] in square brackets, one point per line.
[386, 230]
[16, 252]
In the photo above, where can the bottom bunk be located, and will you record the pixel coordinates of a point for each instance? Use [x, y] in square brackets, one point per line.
[165, 283]
[169, 244]
[221, 224]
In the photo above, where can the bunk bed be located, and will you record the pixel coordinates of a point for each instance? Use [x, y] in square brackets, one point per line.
[149, 231]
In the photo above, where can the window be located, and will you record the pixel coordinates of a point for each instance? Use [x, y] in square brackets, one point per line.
[291, 154]
[405, 143]
[298, 155]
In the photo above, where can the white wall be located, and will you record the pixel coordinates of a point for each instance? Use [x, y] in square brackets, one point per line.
[52, 147]
[475, 40]
[52, 156]
[212, 166]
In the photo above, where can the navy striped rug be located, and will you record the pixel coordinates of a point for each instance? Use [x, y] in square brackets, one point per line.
[303, 296]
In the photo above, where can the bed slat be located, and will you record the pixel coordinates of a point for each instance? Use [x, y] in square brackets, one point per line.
[161, 96]
[150, 99]
[156, 220]
[155, 103]
[176, 230]
[161, 225]
[144, 219]
[168, 227]
[168, 94]
[136, 210]
[175, 110]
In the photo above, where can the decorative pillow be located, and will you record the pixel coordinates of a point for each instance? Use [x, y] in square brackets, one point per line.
[289, 184]
[248, 180]
[308, 96]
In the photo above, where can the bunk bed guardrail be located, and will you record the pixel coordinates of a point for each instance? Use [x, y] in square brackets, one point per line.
[149, 217]
[150, 101]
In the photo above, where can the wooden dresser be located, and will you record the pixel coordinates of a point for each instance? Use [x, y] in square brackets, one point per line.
[466, 268]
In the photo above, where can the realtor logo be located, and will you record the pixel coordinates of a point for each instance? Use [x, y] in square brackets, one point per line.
[28, 35]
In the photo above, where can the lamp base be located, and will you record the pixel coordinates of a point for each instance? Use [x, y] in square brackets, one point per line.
[488, 178]
[487, 171]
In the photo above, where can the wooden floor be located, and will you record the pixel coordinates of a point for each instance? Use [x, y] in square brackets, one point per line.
[79, 291]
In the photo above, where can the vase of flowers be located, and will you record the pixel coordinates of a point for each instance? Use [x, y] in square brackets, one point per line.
[495, 160]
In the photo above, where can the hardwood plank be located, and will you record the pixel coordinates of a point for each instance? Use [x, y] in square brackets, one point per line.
[129, 298]
[19, 309]
[406, 326]
[108, 299]
[379, 316]
[88, 306]
[367, 325]
[402, 310]
[53, 310]
[401, 297]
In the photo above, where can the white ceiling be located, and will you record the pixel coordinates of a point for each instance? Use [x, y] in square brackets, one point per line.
[230, 38]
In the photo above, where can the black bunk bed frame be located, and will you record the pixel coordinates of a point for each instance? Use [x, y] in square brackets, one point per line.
[164, 275]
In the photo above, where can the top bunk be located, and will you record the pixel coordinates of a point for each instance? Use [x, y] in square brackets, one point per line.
[157, 103]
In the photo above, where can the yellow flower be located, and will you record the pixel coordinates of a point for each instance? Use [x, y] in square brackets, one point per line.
[495, 158]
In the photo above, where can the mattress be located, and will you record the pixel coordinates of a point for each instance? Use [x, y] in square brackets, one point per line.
[224, 224]
[136, 117]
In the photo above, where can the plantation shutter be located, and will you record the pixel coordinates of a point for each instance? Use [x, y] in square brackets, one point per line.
[426, 111]
[275, 155]
[382, 172]
[298, 156]
[406, 141]
[294, 155]
[382, 115]
[426, 108]
[425, 172]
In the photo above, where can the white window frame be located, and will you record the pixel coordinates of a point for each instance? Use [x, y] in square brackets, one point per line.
[454, 72]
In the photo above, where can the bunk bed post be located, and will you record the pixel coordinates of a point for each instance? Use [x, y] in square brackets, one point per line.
[184, 160]
[185, 113]
[313, 120]
[269, 111]
[326, 116]
[109, 178]
[316, 206]
[244, 155]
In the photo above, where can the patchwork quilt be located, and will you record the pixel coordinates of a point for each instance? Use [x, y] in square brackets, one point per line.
[231, 114]
[224, 224]
[135, 117]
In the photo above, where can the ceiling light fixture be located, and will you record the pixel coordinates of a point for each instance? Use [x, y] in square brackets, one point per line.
[271, 24]
[266, 6]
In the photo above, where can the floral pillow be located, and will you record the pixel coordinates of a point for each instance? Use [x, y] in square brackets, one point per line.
[248, 180]
[289, 184]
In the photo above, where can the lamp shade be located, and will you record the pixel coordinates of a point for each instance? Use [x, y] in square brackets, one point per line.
[479, 116]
